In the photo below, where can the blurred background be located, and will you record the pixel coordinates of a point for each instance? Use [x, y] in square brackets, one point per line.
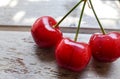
[25, 12]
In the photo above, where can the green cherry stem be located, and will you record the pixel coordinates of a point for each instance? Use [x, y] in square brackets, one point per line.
[68, 13]
[102, 29]
[79, 23]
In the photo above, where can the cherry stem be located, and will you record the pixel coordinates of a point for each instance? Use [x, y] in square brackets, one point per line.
[101, 27]
[67, 14]
[79, 23]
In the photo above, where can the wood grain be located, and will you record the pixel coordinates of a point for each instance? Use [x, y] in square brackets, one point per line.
[20, 58]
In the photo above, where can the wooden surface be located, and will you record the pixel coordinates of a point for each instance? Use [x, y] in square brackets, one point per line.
[20, 58]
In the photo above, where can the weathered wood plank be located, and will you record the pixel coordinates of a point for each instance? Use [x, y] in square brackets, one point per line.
[20, 58]
[63, 29]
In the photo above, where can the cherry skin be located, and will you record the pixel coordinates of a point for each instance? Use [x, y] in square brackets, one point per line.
[105, 48]
[44, 34]
[72, 55]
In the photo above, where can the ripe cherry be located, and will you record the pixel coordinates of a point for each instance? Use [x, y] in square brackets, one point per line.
[72, 55]
[44, 33]
[105, 48]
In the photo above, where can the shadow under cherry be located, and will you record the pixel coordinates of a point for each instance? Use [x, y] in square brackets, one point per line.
[45, 55]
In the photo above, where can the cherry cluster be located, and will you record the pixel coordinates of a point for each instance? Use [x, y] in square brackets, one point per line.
[73, 55]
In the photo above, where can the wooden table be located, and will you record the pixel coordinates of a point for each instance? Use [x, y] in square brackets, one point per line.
[20, 58]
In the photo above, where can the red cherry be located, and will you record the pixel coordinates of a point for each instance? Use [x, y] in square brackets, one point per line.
[72, 55]
[105, 48]
[43, 32]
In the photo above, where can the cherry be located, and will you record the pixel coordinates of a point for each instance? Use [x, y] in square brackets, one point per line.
[43, 32]
[72, 55]
[105, 48]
